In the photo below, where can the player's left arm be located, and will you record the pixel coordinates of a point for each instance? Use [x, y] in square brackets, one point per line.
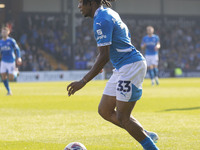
[18, 53]
[157, 47]
[102, 59]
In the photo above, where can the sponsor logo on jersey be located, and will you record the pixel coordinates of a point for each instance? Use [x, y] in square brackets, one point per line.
[5, 48]
[101, 37]
[150, 43]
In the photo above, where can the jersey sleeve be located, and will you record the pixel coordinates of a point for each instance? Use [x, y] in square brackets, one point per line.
[103, 31]
[16, 47]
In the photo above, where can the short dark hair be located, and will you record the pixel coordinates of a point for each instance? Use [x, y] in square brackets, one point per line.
[99, 2]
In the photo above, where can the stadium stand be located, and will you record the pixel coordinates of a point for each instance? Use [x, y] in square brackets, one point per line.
[48, 35]
[180, 44]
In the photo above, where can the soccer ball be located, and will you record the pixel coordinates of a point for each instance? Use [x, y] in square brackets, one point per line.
[75, 146]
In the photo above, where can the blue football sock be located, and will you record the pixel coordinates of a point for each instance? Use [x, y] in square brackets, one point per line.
[151, 73]
[148, 144]
[155, 72]
[6, 84]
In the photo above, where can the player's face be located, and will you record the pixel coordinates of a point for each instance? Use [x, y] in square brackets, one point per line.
[5, 32]
[85, 9]
[150, 30]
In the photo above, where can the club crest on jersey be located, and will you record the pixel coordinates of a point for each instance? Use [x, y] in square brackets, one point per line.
[99, 32]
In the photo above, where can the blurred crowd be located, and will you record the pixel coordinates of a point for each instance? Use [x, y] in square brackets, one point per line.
[180, 46]
[37, 33]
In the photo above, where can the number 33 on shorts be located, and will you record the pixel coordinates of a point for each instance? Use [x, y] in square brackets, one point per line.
[124, 86]
[126, 91]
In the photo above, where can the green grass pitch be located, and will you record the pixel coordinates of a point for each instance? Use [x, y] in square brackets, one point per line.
[40, 116]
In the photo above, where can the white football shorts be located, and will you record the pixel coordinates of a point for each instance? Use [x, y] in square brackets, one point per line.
[126, 83]
[152, 60]
[7, 67]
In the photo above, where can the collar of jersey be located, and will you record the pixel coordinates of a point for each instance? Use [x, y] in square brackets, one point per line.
[97, 11]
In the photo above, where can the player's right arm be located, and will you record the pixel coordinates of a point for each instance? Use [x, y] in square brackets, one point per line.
[102, 59]
[103, 33]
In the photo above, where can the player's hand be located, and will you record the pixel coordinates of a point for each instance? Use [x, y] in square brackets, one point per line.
[75, 86]
[19, 61]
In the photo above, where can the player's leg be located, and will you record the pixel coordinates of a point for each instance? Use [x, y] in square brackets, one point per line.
[11, 78]
[107, 104]
[156, 71]
[11, 69]
[11, 72]
[155, 67]
[155, 60]
[151, 74]
[128, 91]
[4, 76]
[106, 109]
[123, 112]
[150, 69]
[16, 73]
[132, 126]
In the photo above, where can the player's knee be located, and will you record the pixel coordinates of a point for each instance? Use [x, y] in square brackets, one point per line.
[105, 115]
[123, 119]
[102, 112]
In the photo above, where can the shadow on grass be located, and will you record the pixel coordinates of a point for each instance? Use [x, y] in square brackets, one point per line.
[182, 109]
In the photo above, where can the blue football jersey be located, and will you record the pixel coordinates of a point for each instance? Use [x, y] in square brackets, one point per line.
[7, 49]
[109, 29]
[150, 42]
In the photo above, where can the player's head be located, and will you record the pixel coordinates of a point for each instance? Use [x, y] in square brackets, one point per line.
[150, 30]
[5, 31]
[87, 7]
